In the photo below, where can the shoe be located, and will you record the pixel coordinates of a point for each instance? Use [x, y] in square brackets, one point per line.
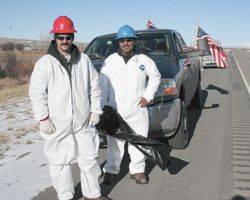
[98, 198]
[105, 198]
[109, 179]
[139, 178]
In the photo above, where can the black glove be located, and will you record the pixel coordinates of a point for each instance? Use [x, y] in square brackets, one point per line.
[108, 121]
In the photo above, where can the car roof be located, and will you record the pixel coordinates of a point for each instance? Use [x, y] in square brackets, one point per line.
[139, 32]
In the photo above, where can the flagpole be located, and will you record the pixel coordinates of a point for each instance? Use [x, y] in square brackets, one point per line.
[147, 23]
[195, 40]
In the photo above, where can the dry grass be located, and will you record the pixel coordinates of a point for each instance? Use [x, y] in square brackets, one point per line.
[10, 88]
[3, 138]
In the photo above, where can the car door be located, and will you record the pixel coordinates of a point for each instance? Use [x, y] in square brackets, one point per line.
[189, 66]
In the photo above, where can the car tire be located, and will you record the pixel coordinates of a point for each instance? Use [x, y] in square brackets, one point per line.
[181, 137]
[102, 139]
[197, 100]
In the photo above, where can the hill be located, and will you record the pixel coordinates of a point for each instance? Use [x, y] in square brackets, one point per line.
[36, 44]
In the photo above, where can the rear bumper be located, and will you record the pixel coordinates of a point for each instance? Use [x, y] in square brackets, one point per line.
[164, 118]
[209, 64]
[208, 61]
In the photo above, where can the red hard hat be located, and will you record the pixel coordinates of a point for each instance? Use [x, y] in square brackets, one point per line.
[63, 24]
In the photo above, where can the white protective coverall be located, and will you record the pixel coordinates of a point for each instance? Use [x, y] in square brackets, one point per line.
[122, 87]
[68, 102]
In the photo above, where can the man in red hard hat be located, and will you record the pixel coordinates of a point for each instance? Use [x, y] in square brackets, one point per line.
[65, 96]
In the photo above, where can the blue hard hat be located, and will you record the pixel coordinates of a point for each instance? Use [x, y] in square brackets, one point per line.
[126, 31]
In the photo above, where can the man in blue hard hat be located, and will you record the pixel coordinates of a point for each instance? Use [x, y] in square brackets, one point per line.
[123, 84]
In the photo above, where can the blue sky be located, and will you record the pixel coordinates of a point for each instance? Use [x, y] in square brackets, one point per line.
[225, 20]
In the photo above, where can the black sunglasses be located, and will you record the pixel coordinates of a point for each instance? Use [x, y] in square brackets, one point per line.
[125, 40]
[61, 38]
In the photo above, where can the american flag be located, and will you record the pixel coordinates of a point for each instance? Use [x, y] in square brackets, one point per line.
[150, 25]
[215, 49]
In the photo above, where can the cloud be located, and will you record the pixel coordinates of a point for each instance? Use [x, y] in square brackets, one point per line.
[246, 44]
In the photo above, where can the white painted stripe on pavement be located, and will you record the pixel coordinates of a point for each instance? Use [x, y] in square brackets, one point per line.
[242, 75]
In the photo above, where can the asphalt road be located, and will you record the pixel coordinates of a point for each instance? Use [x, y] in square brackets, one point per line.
[216, 163]
[242, 58]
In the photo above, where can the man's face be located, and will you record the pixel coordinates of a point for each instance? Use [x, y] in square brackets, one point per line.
[127, 45]
[64, 42]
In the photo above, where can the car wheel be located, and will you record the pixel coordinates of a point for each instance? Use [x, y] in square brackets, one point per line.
[197, 101]
[181, 137]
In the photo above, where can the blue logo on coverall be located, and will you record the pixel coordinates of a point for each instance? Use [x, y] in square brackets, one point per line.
[142, 67]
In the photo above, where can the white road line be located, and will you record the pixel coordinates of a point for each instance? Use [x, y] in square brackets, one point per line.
[242, 75]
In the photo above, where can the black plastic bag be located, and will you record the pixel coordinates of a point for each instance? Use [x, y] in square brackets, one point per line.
[111, 123]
